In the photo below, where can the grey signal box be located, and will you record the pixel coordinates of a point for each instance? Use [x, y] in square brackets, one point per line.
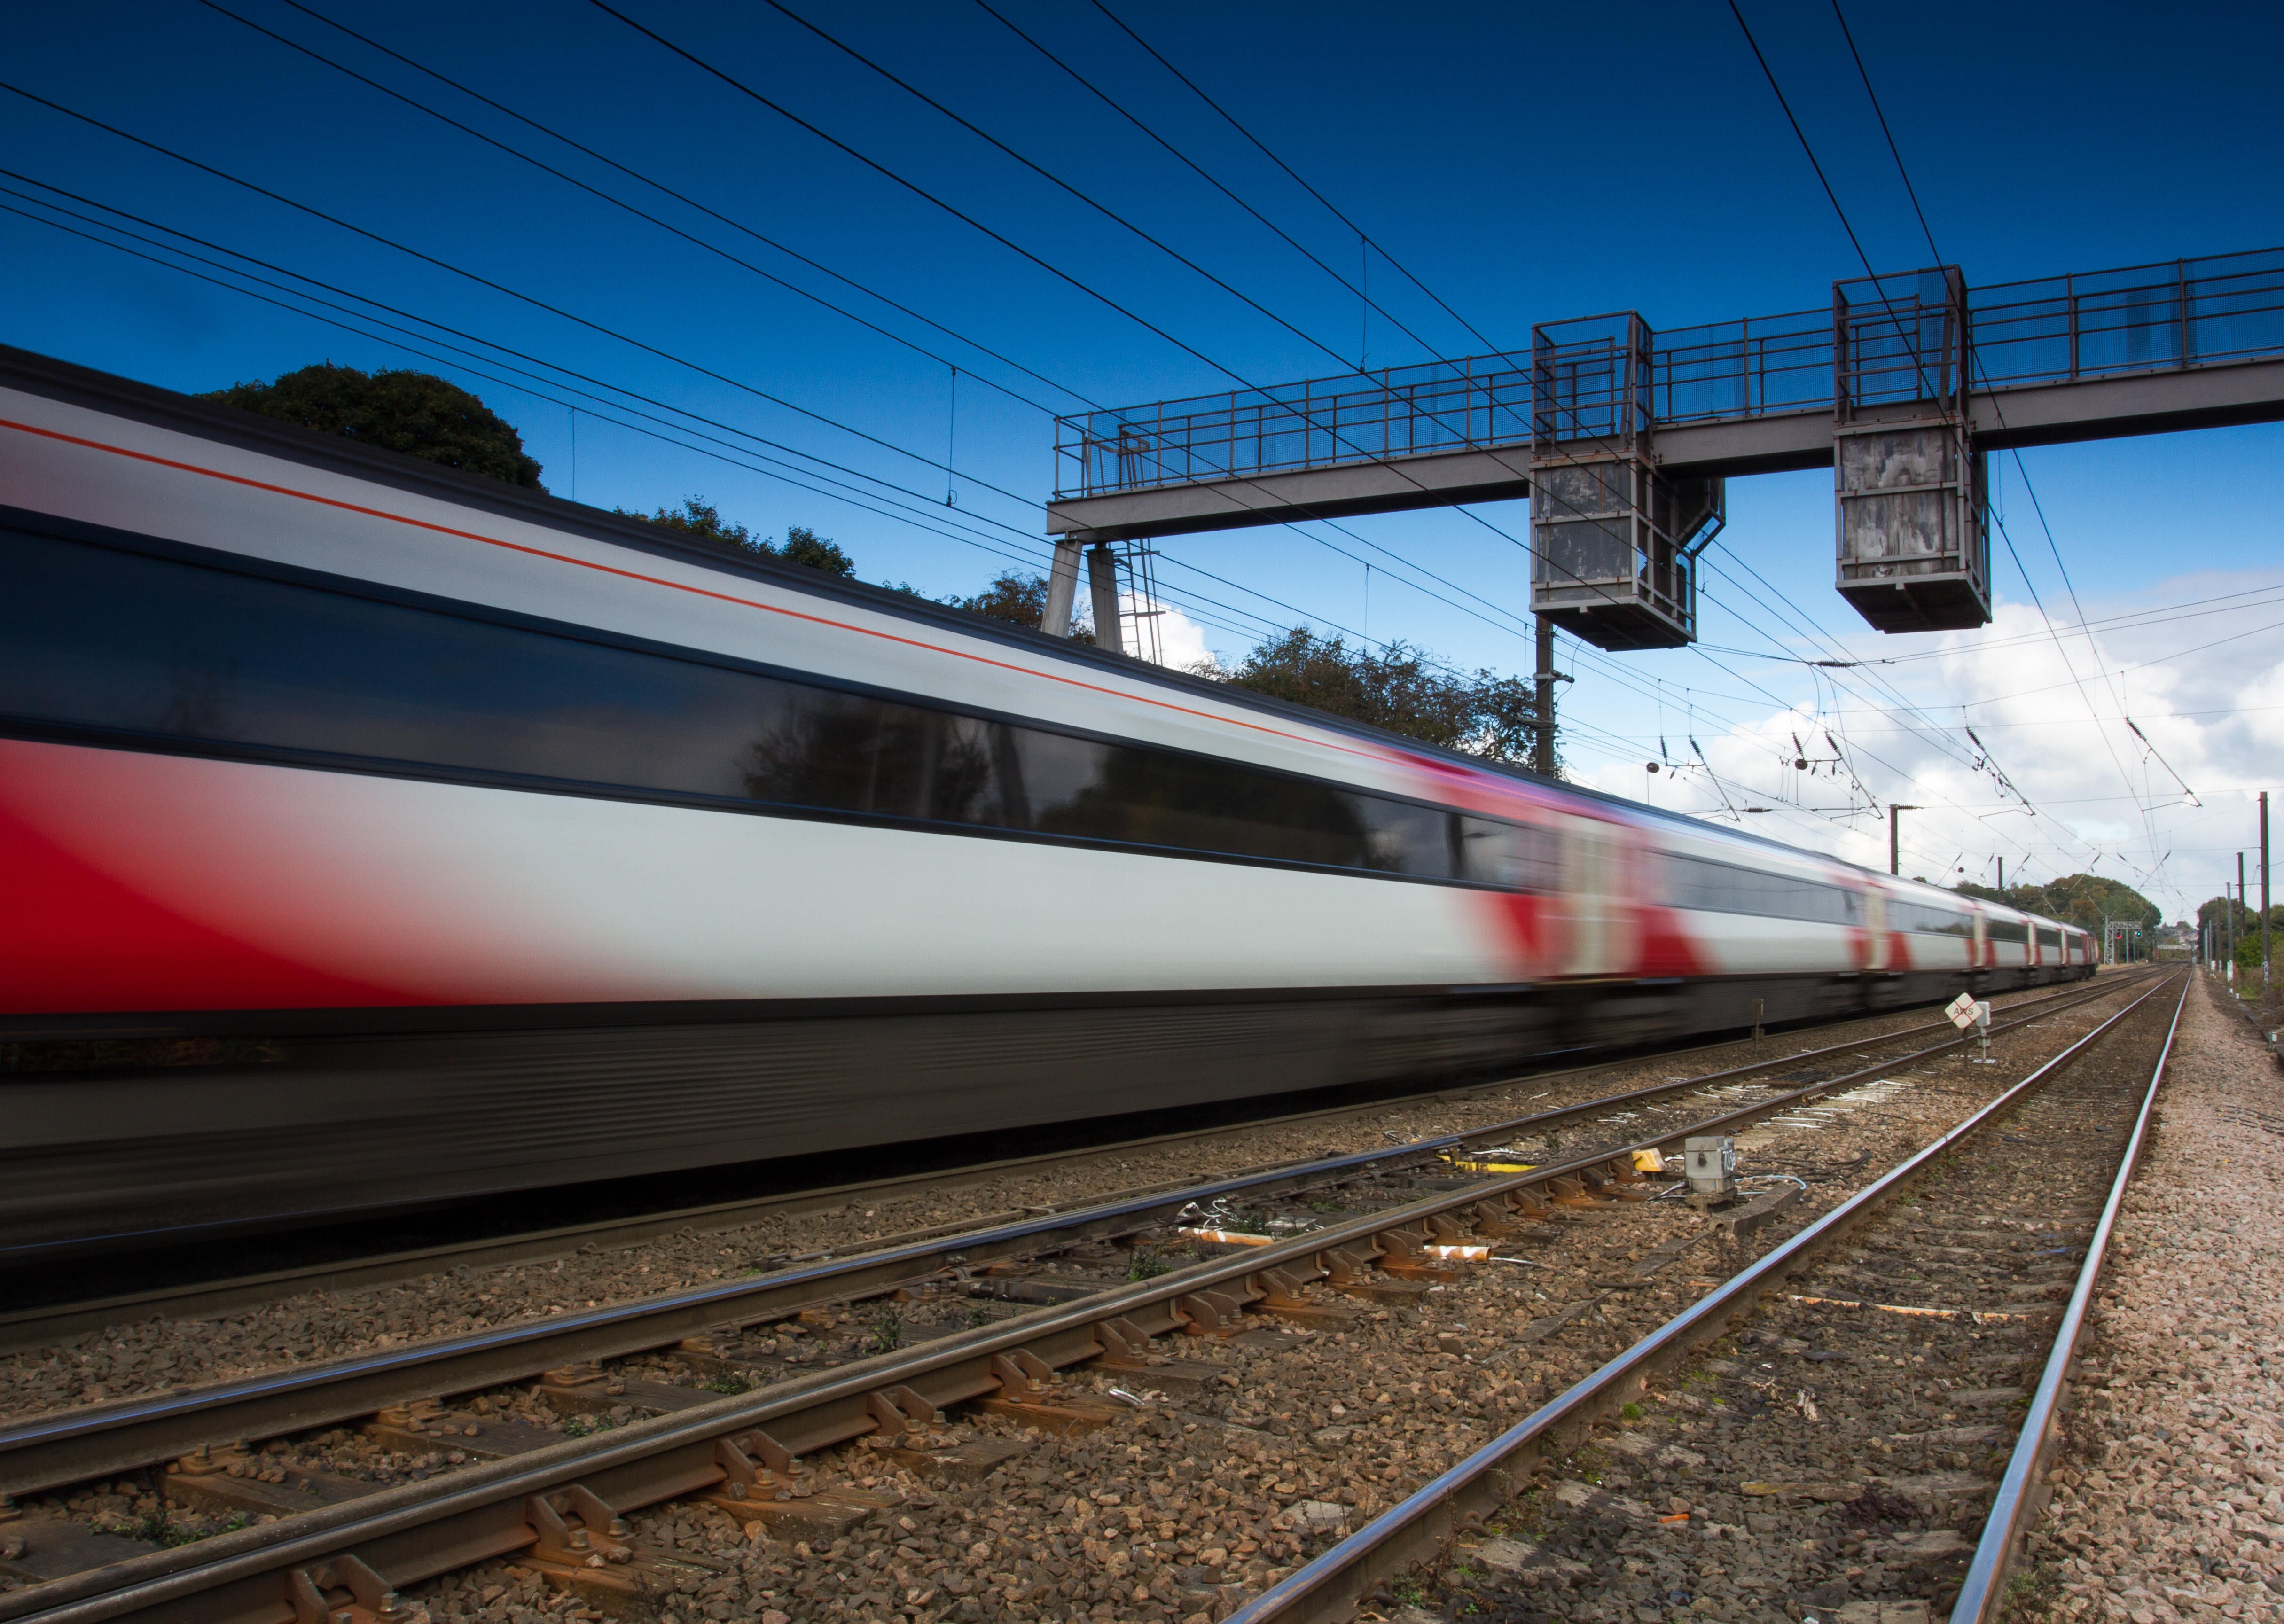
[1711, 1164]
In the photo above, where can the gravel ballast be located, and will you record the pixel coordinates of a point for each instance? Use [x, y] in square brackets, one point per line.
[2170, 1501]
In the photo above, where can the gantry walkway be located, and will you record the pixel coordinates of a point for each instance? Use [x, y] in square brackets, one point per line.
[1943, 374]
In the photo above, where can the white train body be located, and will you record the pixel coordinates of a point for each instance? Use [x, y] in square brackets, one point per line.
[480, 802]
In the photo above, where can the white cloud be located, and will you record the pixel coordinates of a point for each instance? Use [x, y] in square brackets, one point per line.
[1180, 641]
[2205, 687]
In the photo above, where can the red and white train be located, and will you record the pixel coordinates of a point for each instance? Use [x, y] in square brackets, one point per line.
[536, 846]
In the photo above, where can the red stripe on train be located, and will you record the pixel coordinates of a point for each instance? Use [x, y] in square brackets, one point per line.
[76, 940]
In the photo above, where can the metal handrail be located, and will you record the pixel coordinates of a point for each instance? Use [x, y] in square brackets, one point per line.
[1328, 1587]
[2219, 309]
[2022, 1492]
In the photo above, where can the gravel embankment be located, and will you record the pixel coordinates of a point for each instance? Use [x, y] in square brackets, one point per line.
[157, 1355]
[2170, 1502]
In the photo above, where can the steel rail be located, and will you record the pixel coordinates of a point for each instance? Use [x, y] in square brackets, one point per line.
[45, 1325]
[2022, 1491]
[416, 1530]
[94, 1441]
[1330, 1587]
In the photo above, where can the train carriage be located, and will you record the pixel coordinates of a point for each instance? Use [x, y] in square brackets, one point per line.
[487, 841]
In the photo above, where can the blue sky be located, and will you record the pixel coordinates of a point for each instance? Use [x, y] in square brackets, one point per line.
[1527, 163]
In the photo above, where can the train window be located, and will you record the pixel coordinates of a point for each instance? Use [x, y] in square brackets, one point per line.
[130, 644]
[1518, 857]
[1724, 887]
[2005, 930]
[1927, 920]
[2049, 939]
[1097, 790]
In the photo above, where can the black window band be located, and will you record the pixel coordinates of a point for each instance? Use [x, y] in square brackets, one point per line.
[113, 641]
[1723, 887]
[1929, 921]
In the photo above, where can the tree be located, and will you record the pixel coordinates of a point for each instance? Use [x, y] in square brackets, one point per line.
[416, 413]
[700, 521]
[2082, 899]
[1400, 688]
[1021, 600]
[803, 545]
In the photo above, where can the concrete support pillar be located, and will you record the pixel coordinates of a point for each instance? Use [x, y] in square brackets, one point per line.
[1062, 588]
[1102, 581]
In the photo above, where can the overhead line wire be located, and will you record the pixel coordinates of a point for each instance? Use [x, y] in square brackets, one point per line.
[1362, 235]
[744, 89]
[1187, 161]
[502, 288]
[686, 199]
[918, 190]
[596, 191]
[1809, 150]
[675, 230]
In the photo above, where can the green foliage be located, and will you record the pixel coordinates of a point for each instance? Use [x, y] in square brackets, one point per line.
[1399, 687]
[154, 1529]
[803, 545]
[1019, 600]
[2218, 911]
[887, 1331]
[2082, 899]
[1146, 1266]
[416, 413]
[700, 521]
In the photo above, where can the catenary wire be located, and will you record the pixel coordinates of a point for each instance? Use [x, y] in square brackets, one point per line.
[570, 179]
[686, 199]
[1199, 170]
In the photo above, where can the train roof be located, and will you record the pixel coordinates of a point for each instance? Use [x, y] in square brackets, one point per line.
[44, 375]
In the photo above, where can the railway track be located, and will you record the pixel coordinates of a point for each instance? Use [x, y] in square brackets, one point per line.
[1910, 1347]
[74, 1309]
[1386, 1229]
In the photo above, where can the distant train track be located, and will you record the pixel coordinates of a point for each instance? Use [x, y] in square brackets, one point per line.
[1969, 1178]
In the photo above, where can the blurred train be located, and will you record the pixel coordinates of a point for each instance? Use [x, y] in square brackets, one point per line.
[511, 843]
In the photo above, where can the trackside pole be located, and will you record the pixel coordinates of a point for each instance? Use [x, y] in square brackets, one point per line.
[1966, 1010]
[1542, 747]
